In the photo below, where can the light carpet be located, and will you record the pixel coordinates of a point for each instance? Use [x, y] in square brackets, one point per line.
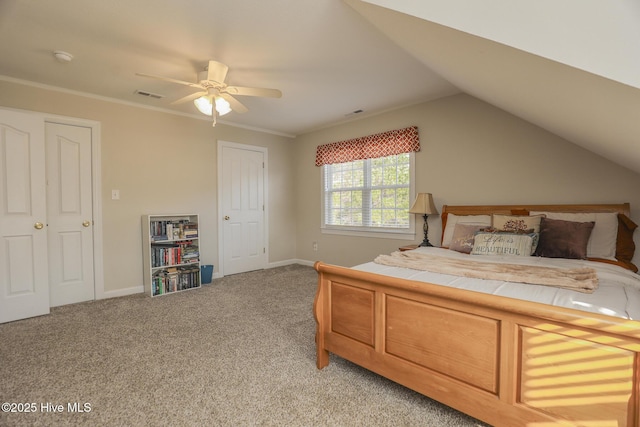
[237, 352]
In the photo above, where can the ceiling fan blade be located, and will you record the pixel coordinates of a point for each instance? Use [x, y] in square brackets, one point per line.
[167, 79]
[217, 71]
[235, 104]
[190, 97]
[253, 91]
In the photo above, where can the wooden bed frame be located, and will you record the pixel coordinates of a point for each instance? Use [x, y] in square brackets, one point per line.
[504, 361]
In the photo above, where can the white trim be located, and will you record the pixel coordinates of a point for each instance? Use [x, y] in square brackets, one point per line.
[289, 262]
[265, 183]
[375, 234]
[408, 233]
[123, 292]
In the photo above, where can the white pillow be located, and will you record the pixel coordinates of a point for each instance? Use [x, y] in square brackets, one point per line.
[453, 219]
[505, 244]
[602, 243]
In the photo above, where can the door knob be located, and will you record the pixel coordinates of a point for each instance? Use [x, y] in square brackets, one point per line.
[226, 217]
[86, 223]
[38, 225]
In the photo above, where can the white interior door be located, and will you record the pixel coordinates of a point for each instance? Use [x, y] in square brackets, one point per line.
[69, 213]
[24, 287]
[242, 208]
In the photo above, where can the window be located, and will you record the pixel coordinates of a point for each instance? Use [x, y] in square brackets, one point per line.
[369, 195]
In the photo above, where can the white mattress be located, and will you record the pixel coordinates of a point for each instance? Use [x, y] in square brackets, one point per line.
[618, 292]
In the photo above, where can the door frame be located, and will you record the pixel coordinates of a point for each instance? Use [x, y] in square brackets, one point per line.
[265, 183]
[96, 188]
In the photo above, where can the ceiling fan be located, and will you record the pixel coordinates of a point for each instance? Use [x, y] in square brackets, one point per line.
[214, 92]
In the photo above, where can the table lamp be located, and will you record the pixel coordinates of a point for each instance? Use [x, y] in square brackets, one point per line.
[424, 205]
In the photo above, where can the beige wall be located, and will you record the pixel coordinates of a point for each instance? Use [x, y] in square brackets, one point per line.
[472, 153]
[163, 163]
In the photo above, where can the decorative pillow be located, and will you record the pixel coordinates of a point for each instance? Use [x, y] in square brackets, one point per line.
[453, 219]
[564, 239]
[516, 223]
[602, 243]
[463, 234]
[625, 246]
[504, 243]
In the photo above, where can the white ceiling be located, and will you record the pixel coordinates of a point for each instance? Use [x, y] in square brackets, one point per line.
[562, 88]
[333, 57]
[327, 60]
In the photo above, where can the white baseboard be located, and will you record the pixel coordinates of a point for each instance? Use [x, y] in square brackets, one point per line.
[290, 262]
[121, 292]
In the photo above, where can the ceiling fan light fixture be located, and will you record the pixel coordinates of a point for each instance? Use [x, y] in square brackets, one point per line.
[204, 105]
[222, 106]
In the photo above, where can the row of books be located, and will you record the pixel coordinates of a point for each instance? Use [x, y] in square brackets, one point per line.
[164, 254]
[173, 229]
[175, 279]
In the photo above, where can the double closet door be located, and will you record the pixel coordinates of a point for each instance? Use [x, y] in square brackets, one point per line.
[46, 215]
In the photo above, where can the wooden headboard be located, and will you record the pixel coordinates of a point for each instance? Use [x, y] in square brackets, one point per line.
[624, 208]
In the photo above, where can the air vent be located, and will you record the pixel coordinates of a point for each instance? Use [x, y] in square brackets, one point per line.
[149, 94]
[353, 112]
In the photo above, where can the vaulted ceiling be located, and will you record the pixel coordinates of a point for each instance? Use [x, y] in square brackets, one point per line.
[571, 67]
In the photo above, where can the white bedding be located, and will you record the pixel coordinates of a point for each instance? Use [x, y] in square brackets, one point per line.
[618, 293]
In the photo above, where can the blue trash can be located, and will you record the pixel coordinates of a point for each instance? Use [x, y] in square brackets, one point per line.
[206, 273]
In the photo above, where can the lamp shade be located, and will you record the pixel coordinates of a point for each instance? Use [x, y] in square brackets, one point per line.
[423, 205]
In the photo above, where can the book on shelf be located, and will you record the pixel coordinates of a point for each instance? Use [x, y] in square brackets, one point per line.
[173, 253]
[175, 279]
[173, 229]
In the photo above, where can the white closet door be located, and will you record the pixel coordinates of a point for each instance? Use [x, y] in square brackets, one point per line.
[69, 213]
[24, 287]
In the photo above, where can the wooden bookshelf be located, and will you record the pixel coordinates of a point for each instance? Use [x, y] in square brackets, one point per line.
[171, 253]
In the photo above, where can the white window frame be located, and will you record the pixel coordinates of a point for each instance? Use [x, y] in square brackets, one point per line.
[379, 232]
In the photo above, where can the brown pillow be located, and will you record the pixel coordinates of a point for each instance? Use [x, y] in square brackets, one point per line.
[625, 247]
[463, 236]
[563, 239]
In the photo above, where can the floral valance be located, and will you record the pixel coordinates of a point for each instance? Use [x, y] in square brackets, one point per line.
[368, 147]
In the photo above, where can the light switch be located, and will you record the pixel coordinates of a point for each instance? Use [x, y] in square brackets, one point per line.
[115, 194]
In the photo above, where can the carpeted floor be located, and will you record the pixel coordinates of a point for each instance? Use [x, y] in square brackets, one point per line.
[238, 352]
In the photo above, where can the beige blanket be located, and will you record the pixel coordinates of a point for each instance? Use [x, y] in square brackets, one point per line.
[577, 279]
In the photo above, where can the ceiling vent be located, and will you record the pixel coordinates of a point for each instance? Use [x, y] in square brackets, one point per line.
[149, 94]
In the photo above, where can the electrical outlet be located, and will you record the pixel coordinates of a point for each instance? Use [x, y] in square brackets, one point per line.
[315, 246]
[115, 194]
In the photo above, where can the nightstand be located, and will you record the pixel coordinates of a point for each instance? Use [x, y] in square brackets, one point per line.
[408, 248]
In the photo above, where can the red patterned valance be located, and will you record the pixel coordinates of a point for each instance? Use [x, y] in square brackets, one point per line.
[368, 147]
